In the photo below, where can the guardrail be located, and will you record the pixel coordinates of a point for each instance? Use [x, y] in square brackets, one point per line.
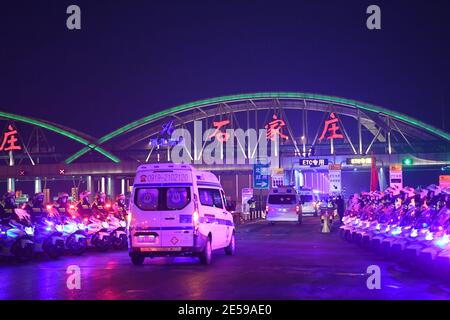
[242, 218]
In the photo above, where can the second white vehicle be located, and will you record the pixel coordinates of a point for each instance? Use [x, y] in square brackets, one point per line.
[284, 204]
[178, 210]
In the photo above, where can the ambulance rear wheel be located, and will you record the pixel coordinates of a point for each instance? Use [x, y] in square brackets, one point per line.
[137, 259]
[206, 254]
[231, 248]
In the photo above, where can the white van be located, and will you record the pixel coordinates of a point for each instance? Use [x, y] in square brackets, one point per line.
[283, 204]
[310, 201]
[178, 210]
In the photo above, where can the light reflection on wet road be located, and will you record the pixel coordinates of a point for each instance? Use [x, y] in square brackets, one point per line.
[282, 261]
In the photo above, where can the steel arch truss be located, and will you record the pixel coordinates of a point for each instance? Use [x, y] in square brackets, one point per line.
[86, 140]
[380, 122]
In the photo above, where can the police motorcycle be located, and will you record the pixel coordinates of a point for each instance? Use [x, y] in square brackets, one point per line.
[368, 219]
[117, 220]
[16, 235]
[75, 239]
[360, 228]
[442, 258]
[399, 221]
[350, 215]
[390, 212]
[441, 220]
[421, 235]
[91, 221]
[401, 234]
[437, 238]
[47, 239]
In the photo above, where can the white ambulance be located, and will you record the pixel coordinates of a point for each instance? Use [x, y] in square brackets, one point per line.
[283, 204]
[178, 210]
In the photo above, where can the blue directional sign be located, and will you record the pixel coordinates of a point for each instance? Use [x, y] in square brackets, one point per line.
[261, 176]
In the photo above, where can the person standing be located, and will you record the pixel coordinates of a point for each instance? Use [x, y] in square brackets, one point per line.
[340, 206]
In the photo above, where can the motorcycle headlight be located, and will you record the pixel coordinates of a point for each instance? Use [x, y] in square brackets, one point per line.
[29, 231]
[105, 225]
[123, 224]
[397, 231]
[444, 241]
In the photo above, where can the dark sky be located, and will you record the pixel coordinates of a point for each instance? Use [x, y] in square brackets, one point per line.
[133, 58]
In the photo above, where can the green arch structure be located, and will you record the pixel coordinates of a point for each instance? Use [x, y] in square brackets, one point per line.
[264, 95]
[62, 131]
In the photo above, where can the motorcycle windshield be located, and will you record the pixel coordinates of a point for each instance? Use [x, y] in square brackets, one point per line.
[408, 217]
[386, 215]
[441, 218]
[424, 219]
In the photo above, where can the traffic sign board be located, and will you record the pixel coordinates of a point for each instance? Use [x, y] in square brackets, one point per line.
[396, 175]
[313, 162]
[444, 181]
[261, 175]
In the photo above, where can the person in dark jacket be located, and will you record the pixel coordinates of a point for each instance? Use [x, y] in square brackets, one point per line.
[340, 206]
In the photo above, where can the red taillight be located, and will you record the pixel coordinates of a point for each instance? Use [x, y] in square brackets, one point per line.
[49, 207]
[108, 205]
[267, 208]
[73, 217]
[297, 208]
[314, 204]
[71, 207]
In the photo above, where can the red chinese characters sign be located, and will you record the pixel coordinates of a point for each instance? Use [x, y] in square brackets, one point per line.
[331, 128]
[9, 140]
[218, 134]
[274, 128]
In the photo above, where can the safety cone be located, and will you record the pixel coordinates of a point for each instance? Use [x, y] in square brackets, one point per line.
[325, 227]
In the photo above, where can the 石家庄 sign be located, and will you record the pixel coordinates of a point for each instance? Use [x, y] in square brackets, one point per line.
[9, 140]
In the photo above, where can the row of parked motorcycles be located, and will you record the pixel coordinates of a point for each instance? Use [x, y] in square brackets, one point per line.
[411, 225]
[62, 227]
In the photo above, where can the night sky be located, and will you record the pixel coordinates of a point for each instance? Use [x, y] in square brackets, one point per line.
[133, 58]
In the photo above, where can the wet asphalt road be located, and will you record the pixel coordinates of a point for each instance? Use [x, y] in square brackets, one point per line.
[282, 261]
